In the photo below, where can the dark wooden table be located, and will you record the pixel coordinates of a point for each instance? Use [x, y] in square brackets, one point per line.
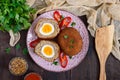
[88, 69]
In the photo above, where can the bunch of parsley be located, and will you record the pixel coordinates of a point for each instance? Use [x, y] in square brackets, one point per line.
[14, 15]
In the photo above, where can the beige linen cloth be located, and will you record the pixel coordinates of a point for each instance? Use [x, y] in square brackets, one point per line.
[99, 13]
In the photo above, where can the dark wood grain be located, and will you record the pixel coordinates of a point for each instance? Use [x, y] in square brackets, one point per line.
[88, 69]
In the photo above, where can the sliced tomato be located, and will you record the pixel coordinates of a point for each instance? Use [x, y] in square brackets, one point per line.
[57, 16]
[65, 22]
[34, 43]
[63, 60]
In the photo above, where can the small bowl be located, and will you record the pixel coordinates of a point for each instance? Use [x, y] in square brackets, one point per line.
[33, 73]
[16, 65]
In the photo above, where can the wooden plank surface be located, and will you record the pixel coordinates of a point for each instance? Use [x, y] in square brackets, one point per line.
[88, 69]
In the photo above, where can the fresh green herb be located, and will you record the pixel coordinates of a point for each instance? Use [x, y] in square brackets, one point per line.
[70, 57]
[7, 50]
[25, 51]
[72, 41]
[73, 24]
[62, 17]
[71, 46]
[55, 63]
[65, 36]
[17, 46]
[15, 15]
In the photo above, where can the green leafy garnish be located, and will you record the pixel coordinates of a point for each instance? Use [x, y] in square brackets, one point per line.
[70, 57]
[7, 50]
[65, 36]
[17, 46]
[62, 17]
[71, 46]
[72, 41]
[55, 63]
[15, 15]
[73, 24]
[25, 51]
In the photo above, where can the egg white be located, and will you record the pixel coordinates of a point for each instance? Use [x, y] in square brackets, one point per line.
[46, 34]
[42, 51]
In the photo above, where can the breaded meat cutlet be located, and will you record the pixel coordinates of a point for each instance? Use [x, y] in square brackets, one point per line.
[70, 41]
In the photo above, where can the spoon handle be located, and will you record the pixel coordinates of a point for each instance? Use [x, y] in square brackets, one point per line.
[102, 71]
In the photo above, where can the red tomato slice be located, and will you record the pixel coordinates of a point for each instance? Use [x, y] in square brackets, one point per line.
[65, 22]
[63, 60]
[57, 16]
[34, 43]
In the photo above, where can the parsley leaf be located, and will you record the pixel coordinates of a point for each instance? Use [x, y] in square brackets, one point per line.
[72, 41]
[7, 50]
[73, 24]
[62, 17]
[71, 46]
[11, 13]
[17, 46]
[55, 63]
[25, 51]
[65, 36]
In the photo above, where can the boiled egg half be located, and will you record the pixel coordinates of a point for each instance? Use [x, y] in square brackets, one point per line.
[46, 29]
[48, 51]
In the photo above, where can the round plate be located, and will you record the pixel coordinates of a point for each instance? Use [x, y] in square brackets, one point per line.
[71, 62]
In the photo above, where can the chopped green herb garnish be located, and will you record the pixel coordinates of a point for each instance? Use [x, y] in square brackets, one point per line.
[17, 46]
[73, 24]
[70, 57]
[7, 50]
[25, 51]
[71, 46]
[55, 63]
[72, 41]
[62, 17]
[65, 36]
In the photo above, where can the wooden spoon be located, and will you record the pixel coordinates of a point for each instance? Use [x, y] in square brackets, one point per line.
[103, 44]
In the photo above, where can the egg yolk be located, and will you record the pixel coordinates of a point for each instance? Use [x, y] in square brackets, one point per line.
[48, 51]
[47, 28]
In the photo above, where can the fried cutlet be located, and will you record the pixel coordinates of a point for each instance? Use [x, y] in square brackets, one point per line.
[70, 41]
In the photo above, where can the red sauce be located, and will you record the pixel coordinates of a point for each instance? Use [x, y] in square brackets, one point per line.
[32, 76]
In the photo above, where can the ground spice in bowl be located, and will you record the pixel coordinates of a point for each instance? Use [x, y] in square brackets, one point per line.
[18, 66]
[32, 76]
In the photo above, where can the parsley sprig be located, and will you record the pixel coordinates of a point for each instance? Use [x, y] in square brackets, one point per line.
[7, 50]
[73, 24]
[65, 36]
[17, 46]
[14, 15]
[25, 51]
[55, 62]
